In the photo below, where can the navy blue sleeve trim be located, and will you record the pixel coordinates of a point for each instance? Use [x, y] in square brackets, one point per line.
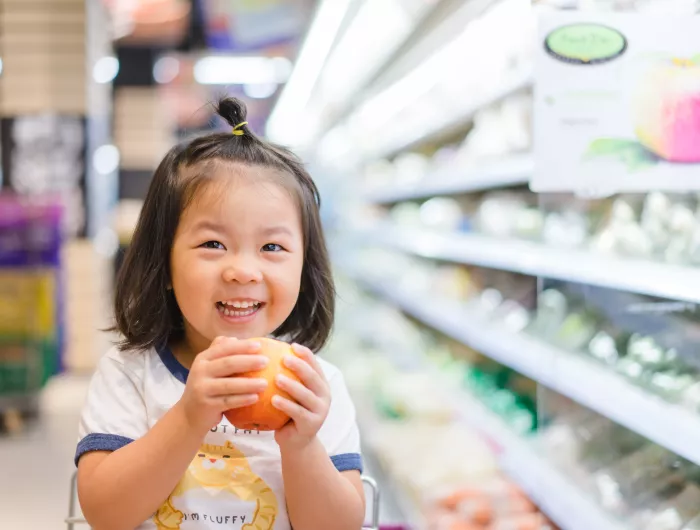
[100, 442]
[347, 462]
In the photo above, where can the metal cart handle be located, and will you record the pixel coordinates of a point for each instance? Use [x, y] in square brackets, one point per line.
[72, 519]
[374, 521]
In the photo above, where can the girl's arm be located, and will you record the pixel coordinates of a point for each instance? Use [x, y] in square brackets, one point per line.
[121, 489]
[320, 497]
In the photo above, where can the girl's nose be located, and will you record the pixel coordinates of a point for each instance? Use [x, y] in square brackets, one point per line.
[242, 270]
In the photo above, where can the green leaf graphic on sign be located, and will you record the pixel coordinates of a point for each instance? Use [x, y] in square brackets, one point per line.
[696, 58]
[586, 43]
[633, 154]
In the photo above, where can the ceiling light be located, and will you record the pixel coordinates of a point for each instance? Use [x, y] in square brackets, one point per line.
[105, 159]
[283, 123]
[166, 70]
[218, 70]
[260, 90]
[105, 70]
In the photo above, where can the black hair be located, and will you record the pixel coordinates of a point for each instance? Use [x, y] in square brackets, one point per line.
[146, 312]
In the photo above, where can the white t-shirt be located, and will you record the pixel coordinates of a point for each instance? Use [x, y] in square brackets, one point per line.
[235, 480]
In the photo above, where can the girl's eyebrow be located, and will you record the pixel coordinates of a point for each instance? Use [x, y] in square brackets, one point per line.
[207, 224]
[275, 230]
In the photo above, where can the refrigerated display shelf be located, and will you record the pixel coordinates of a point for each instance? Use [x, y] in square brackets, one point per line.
[389, 145]
[514, 171]
[581, 379]
[564, 503]
[536, 259]
[549, 488]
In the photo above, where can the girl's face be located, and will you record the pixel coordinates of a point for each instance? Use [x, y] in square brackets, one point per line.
[237, 258]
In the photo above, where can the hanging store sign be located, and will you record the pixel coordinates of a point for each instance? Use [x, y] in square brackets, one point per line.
[617, 103]
[253, 25]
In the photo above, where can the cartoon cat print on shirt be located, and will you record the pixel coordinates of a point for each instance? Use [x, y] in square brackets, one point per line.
[222, 468]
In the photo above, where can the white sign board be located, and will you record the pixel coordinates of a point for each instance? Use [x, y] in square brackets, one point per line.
[617, 103]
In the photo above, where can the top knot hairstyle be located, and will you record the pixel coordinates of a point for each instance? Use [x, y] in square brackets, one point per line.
[146, 312]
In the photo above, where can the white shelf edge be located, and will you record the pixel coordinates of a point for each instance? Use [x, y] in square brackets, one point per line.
[511, 172]
[536, 259]
[580, 379]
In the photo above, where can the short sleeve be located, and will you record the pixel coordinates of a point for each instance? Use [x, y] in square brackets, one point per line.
[114, 413]
[340, 434]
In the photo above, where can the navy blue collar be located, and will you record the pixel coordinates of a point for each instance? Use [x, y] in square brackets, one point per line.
[172, 364]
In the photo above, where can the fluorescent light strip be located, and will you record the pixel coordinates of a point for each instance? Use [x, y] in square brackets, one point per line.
[371, 37]
[284, 120]
[218, 70]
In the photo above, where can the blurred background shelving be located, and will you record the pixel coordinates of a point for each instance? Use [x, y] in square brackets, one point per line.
[547, 337]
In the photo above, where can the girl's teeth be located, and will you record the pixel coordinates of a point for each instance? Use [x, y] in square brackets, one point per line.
[240, 305]
[234, 313]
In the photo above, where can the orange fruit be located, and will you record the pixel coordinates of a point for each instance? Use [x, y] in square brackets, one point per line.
[262, 415]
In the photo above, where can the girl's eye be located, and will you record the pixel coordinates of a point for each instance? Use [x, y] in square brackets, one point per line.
[212, 244]
[272, 247]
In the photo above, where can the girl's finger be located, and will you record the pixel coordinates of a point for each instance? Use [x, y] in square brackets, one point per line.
[236, 385]
[308, 376]
[302, 395]
[225, 346]
[306, 354]
[295, 411]
[237, 401]
[236, 364]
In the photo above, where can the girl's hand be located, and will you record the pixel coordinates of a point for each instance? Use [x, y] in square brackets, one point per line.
[312, 399]
[212, 386]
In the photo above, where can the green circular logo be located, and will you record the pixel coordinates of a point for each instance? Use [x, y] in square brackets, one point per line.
[585, 44]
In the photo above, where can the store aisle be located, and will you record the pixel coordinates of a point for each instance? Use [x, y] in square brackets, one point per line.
[37, 464]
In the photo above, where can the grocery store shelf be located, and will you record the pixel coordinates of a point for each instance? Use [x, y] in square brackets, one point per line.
[546, 486]
[549, 488]
[536, 259]
[576, 377]
[510, 172]
[448, 123]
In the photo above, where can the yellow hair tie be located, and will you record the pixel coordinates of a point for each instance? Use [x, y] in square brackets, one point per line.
[236, 130]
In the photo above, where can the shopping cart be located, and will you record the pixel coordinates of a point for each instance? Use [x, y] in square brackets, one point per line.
[74, 519]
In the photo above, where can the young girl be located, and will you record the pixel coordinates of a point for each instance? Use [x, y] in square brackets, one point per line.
[229, 247]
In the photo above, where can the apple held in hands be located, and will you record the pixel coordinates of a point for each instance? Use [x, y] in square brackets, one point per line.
[667, 110]
[262, 415]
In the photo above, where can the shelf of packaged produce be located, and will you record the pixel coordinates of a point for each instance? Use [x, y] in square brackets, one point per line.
[581, 379]
[564, 503]
[645, 277]
[513, 171]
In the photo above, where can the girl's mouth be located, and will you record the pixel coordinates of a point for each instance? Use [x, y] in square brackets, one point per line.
[238, 310]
